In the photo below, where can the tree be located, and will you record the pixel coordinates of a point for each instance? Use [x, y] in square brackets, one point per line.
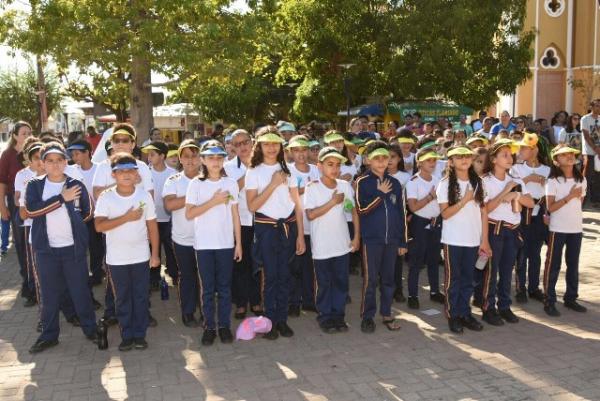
[18, 98]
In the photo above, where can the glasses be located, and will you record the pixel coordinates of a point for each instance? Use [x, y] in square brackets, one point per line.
[241, 143]
[117, 141]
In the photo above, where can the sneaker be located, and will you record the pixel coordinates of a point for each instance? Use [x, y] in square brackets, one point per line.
[225, 335]
[413, 302]
[471, 323]
[208, 337]
[294, 310]
[575, 306]
[284, 329]
[399, 296]
[152, 321]
[328, 326]
[455, 325]
[42, 345]
[367, 326]
[521, 297]
[341, 325]
[537, 294]
[140, 343]
[271, 335]
[492, 317]
[126, 345]
[508, 315]
[438, 297]
[551, 310]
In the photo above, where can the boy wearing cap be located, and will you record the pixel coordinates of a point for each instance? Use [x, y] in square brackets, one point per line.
[125, 213]
[59, 207]
[326, 202]
[383, 229]
[156, 153]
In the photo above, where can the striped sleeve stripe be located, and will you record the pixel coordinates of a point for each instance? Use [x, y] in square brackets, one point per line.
[368, 207]
[36, 213]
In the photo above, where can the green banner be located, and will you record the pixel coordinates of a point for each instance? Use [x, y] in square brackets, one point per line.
[430, 111]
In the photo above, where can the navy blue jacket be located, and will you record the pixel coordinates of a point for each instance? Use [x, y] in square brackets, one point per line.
[37, 209]
[382, 216]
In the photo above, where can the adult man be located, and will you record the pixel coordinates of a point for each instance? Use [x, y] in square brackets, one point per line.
[504, 123]
[590, 129]
[478, 124]
[486, 128]
[155, 135]
[92, 137]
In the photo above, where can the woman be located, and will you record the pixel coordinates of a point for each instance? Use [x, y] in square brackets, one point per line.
[571, 134]
[558, 123]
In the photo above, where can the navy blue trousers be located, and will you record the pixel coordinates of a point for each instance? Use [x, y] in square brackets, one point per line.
[215, 267]
[378, 268]
[60, 270]
[187, 286]
[571, 243]
[303, 278]
[29, 263]
[130, 284]
[423, 249]
[459, 264]
[529, 259]
[5, 228]
[245, 288]
[332, 287]
[18, 235]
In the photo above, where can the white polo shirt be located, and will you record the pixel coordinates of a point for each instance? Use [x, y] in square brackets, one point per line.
[280, 204]
[464, 228]
[182, 229]
[569, 218]
[494, 186]
[103, 175]
[158, 180]
[235, 169]
[418, 188]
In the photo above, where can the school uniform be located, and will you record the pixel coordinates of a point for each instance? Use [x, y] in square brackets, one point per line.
[566, 232]
[275, 234]
[302, 270]
[403, 177]
[245, 287]
[425, 229]
[383, 230]
[128, 259]
[461, 238]
[355, 257]
[182, 236]
[533, 230]
[330, 243]
[21, 178]
[214, 244]
[60, 239]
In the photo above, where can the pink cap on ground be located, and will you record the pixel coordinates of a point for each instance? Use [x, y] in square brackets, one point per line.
[250, 326]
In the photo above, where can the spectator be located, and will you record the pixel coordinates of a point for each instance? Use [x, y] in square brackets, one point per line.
[571, 134]
[559, 121]
[155, 136]
[486, 128]
[504, 123]
[590, 127]
[478, 123]
[92, 137]
[463, 126]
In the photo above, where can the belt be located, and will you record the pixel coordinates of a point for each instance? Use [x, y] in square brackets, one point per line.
[528, 212]
[282, 224]
[499, 224]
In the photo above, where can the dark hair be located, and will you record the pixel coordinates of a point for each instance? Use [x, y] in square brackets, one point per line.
[84, 143]
[377, 144]
[488, 167]
[556, 171]
[162, 147]
[257, 155]
[122, 158]
[454, 195]
[25, 155]
[204, 172]
[127, 127]
[395, 147]
[570, 127]
[52, 145]
[15, 132]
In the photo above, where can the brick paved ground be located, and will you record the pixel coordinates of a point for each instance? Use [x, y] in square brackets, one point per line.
[539, 358]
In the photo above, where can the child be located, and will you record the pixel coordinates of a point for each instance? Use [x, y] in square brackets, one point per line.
[182, 231]
[460, 136]
[464, 234]
[59, 207]
[172, 159]
[157, 152]
[481, 155]
[303, 276]
[534, 172]
[336, 140]
[424, 227]
[504, 197]
[273, 198]
[125, 213]
[325, 202]
[211, 201]
[384, 233]
[313, 152]
[477, 141]
[406, 140]
[565, 192]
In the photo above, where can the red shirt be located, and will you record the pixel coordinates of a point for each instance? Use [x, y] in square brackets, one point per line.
[9, 166]
[93, 140]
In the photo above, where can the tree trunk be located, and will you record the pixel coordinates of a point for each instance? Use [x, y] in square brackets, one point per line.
[141, 98]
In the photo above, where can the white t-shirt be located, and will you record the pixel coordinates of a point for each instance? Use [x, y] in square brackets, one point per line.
[302, 179]
[58, 222]
[233, 171]
[280, 204]
[21, 179]
[329, 235]
[464, 228]
[214, 228]
[351, 169]
[556, 132]
[73, 171]
[592, 125]
[88, 177]
[572, 139]
[493, 187]
[103, 176]
[128, 243]
[403, 177]
[158, 179]
[522, 170]
[418, 188]
[569, 218]
[182, 229]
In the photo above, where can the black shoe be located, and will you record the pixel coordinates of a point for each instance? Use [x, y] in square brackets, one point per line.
[438, 297]
[551, 310]
[151, 321]
[455, 325]
[537, 294]
[92, 337]
[42, 345]
[521, 297]
[508, 315]
[284, 330]
[74, 321]
[471, 323]
[413, 302]
[399, 296]
[477, 303]
[208, 337]
[271, 335]
[328, 326]
[39, 328]
[126, 345]
[190, 320]
[575, 306]
[109, 321]
[31, 301]
[294, 310]
[309, 308]
[225, 335]
[367, 326]
[341, 325]
[492, 317]
[140, 343]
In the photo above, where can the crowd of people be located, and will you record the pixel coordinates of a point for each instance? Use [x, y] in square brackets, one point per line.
[273, 221]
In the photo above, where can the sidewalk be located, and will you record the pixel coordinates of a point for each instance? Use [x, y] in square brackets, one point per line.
[539, 358]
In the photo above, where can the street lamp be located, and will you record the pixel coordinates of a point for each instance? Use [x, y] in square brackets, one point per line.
[346, 67]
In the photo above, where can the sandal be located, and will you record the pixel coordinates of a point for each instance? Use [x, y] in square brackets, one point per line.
[240, 313]
[392, 324]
